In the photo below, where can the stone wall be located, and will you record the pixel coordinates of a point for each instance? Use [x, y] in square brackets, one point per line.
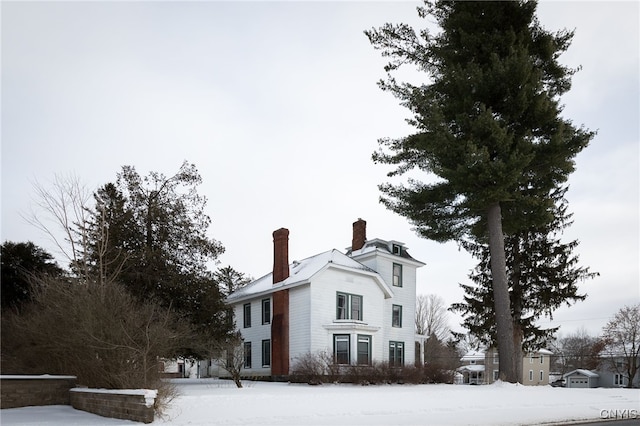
[136, 405]
[128, 404]
[24, 391]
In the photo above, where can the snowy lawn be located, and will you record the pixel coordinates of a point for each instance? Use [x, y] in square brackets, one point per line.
[219, 402]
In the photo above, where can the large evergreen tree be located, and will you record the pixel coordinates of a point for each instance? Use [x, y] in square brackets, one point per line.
[542, 272]
[488, 129]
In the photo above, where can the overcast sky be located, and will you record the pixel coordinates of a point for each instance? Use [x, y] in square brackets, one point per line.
[277, 105]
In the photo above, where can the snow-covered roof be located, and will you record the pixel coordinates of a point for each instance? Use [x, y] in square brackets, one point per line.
[473, 356]
[300, 272]
[582, 372]
[477, 355]
[472, 368]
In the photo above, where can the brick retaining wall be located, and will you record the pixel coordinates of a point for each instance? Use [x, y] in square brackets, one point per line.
[24, 391]
[125, 404]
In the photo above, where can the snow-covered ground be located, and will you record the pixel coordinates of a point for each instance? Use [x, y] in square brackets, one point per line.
[218, 402]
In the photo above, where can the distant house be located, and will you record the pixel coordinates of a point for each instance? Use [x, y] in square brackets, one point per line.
[581, 378]
[473, 368]
[358, 306]
[482, 367]
[612, 372]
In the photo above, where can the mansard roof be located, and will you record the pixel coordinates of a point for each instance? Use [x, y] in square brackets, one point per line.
[386, 247]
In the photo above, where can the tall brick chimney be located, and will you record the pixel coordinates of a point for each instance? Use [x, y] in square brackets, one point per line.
[359, 234]
[280, 320]
[280, 255]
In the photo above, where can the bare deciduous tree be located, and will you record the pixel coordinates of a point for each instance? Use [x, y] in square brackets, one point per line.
[62, 213]
[576, 350]
[621, 338]
[431, 316]
[60, 209]
[467, 342]
[230, 356]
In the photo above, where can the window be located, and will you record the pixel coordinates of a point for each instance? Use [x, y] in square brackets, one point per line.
[541, 375]
[541, 359]
[364, 349]
[247, 354]
[247, 315]
[397, 275]
[349, 306]
[266, 353]
[531, 375]
[496, 375]
[341, 345]
[230, 358]
[266, 311]
[496, 359]
[618, 380]
[396, 316]
[531, 359]
[472, 362]
[396, 354]
[396, 249]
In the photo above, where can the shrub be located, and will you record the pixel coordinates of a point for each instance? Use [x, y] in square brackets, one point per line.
[319, 368]
[98, 333]
[312, 369]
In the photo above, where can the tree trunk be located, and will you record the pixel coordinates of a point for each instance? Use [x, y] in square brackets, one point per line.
[502, 304]
[517, 291]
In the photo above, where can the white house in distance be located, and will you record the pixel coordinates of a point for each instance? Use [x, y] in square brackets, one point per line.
[358, 306]
[481, 367]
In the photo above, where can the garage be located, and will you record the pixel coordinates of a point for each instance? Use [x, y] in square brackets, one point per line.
[581, 378]
[578, 382]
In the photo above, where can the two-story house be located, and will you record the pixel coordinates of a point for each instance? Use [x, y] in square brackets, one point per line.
[472, 368]
[358, 306]
[482, 367]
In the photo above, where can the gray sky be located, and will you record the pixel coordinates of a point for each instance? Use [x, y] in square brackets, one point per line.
[277, 105]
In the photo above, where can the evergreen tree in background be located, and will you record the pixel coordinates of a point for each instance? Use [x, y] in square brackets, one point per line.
[489, 134]
[19, 263]
[230, 280]
[150, 234]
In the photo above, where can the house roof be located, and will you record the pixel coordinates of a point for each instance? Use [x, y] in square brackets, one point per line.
[473, 356]
[478, 355]
[472, 368]
[581, 372]
[300, 272]
[383, 246]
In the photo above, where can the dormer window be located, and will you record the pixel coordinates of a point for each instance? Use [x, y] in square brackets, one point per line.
[396, 249]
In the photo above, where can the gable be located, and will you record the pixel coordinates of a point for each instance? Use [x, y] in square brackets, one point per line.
[302, 272]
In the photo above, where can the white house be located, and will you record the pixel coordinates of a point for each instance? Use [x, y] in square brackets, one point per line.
[612, 371]
[358, 306]
[482, 367]
[473, 368]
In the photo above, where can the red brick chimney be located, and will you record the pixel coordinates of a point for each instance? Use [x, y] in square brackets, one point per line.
[280, 255]
[359, 234]
[280, 320]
